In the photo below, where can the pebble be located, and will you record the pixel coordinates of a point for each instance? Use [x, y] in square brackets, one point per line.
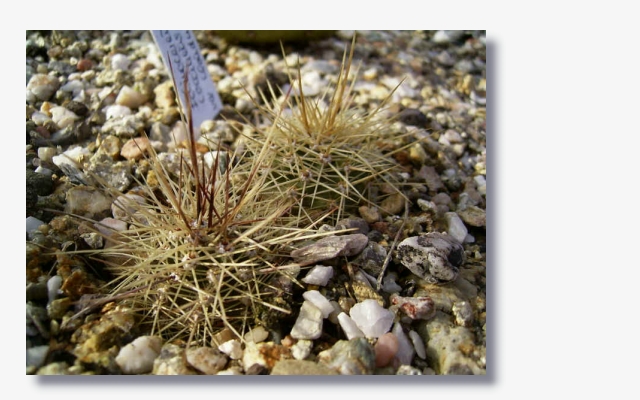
[256, 335]
[393, 204]
[116, 111]
[386, 349]
[88, 202]
[445, 37]
[418, 344]
[318, 300]
[232, 348]
[171, 361]
[301, 367]
[135, 149]
[349, 327]
[371, 258]
[107, 226]
[126, 205]
[138, 356]
[371, 318]
[415, 307]
[33, 224]
[408, 370]
[318, 275]
[37, 355]
[127, 126]
[120, 62]
[130, 98]
[463, 313]
[350, 357]
[164, 95]
[301, 349]
[62, 117]
[330, 247]
[434, 256]
[69, 162]
[41, 87]
[431, 178]
[309, 322]
[207, 360]
[265, 355]
[474, 216]
[455, 226]
[53, 287]
[405, 347]
[369, 214]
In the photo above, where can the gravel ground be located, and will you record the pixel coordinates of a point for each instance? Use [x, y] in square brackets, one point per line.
[93, 95]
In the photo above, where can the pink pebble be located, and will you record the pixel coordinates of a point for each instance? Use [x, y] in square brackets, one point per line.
[386, 348]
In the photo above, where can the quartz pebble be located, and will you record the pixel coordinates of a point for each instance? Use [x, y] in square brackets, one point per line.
[318, 275]
[309, 322]
[434, 256]
[318, 300]
[371, 318]
[349, 327]
[350, 357]
[53, 287]
[62, 117]
[301, 349]
[41, 87]
[120, 62]
[232, 348]
[171, 361]
[138, 356]
[130, 98]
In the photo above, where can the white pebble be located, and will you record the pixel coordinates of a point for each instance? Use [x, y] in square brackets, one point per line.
[232, 348]
[53, 286]
[318, 275]
[318, 300]
[120, 61]
[372, 319]
[301, 349]
[309, 322]
[116, 110]
[47, 153]
[456, 227]
[40, 118]
[137, 357]
[108, 225]
[41, 87]
[62, 117]
[418, 344]
[349, 327]
[256, 335]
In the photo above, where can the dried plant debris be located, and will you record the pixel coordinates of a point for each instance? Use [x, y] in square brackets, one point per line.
[242, 251]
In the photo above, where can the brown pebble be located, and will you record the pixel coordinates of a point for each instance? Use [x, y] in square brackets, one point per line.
[386, 349]
[134, 149]
[84, 64]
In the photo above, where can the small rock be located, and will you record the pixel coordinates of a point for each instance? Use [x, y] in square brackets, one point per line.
[309, 322]
[369, 214]
[126, 205]
[164, 96]
[445, 37]
[418, 344]
[371, 258]
[318, 300]
[330, 247]
[455, 226]
[412, 116]
[385, 348]
[62, 117]
[259, 356]
[171, 361]
[349, 327]
[41, 87]
[415, 307]
[116, 111]
[350, 357]
[372, 319]
[301, 367]
[463, 313]
[207, 360]
[87, 202]
[474, 216]
[434, 257]
[405, 347]
[256, 335]
[36, 356]
[138, 356]
[318, 275]
[301, 349]
[431, 178]
[127, 126]
[393, 205]
[120, 62]
[135, 149]
[408, 370]
[129, 97]
[232, 348]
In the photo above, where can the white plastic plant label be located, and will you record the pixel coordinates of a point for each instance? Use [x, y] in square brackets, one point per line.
[182, 48]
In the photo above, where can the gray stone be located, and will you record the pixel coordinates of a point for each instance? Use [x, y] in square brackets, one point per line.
[301, 367]
[330, 247]
[350, 357]
[207, 360]
[171, 361]
[455, 226]
[434, 256]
